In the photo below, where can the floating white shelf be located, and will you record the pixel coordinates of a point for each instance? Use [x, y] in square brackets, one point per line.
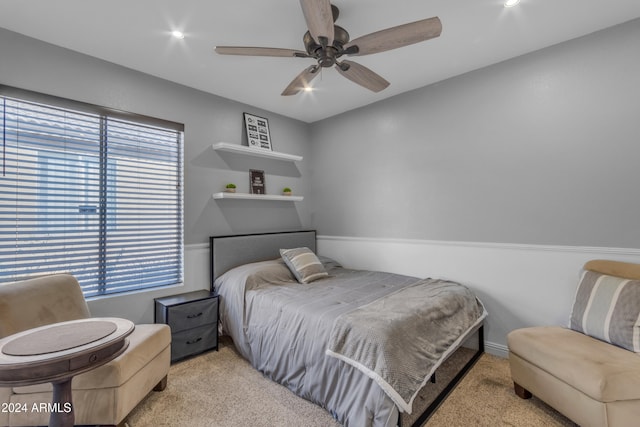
[247, 196]
[256, 152]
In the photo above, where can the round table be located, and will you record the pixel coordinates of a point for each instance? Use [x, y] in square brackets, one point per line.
[57, 352]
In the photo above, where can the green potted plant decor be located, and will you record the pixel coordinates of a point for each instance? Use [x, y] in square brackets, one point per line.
[230, 188]
[286, 191]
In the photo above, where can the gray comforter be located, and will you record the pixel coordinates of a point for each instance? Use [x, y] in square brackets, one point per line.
[284, 329]
[400, 339]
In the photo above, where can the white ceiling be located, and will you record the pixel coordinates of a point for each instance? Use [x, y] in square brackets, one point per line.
[136, 34]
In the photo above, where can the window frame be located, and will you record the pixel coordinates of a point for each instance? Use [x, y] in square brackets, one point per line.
[107, 114]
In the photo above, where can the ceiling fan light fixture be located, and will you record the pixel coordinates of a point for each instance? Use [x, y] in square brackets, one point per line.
[511, 3]
[177, 34]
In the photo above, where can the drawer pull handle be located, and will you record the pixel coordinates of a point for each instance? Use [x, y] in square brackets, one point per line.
[193, 316]
[195, 341]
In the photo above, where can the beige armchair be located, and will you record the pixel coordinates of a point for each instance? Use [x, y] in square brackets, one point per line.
[103, 396]
[590, 371]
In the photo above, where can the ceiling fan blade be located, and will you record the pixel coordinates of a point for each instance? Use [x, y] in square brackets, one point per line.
[362, 75]
[301, 81]
[259, 51]
[319, 19]
[395, 37]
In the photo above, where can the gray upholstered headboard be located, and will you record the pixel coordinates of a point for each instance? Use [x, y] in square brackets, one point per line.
[227, 252]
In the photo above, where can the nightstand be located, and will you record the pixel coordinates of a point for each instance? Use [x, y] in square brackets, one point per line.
[193, 318]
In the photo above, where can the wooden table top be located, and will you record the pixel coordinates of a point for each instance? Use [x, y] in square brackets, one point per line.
[61, 350]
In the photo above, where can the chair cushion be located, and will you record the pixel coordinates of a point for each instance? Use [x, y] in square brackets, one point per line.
[145, 343]
[40, 301]
[608, 308]
[602, 371]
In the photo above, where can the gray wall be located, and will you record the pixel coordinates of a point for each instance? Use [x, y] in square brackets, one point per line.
[31, 64]
[541, 149]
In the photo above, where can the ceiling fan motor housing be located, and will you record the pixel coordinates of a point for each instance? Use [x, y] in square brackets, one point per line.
[327, 56]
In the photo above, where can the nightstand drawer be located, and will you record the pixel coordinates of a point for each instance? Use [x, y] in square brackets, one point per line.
[193, 341]
[197, 313]
[193, 318]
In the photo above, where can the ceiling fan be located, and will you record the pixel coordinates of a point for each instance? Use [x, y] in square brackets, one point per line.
[327, 43]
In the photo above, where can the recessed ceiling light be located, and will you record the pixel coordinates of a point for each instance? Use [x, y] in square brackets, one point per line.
[177, 34]
[308, 89]
[511, 3]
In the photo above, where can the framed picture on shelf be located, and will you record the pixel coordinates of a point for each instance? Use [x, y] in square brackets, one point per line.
[256, 182]
[258, 135]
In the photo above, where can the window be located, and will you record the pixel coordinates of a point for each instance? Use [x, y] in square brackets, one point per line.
[89, 191]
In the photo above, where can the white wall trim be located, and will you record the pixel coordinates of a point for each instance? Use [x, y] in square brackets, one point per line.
[196, 247]
[520, 284]
[488, 245]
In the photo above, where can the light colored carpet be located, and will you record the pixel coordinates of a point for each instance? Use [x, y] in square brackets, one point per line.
[222, 389]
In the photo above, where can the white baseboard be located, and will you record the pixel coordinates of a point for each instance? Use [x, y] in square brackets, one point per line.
[496, 349]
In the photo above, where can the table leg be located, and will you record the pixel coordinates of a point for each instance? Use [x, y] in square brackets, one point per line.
[62, 406]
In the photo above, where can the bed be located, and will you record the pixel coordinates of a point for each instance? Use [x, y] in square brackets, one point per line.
[367, 346]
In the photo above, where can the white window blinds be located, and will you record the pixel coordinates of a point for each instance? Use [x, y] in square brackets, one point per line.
[89, 193]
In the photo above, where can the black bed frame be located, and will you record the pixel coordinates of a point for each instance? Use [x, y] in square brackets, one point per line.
[451, 385]
[230, 251]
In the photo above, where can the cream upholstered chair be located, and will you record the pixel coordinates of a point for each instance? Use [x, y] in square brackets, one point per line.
[590, 372]
[103, 396]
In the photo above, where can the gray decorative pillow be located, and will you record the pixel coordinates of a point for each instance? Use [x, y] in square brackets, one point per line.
[608, 308]
[304, 264]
